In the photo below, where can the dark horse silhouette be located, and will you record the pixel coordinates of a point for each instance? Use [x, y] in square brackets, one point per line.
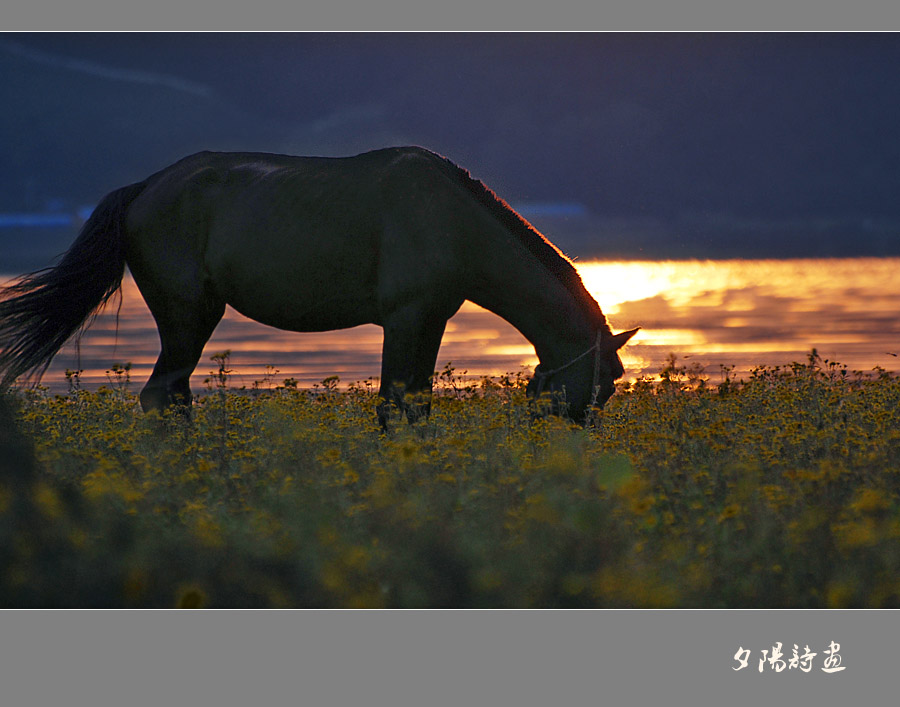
[398, 237]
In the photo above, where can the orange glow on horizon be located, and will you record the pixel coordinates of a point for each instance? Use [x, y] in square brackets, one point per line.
[731, 313]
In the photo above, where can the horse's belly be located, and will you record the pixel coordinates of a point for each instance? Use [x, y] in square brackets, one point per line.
[308, 288]
[322, 316]
[299, 302]
[308, 306]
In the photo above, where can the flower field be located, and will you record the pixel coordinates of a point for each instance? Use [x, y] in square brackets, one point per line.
[780, 489]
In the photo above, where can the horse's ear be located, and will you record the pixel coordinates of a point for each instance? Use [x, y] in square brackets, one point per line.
[617, 341]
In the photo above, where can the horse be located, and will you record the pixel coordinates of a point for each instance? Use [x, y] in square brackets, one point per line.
[399, 237]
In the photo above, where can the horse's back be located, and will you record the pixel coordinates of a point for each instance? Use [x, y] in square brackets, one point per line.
[278, 236]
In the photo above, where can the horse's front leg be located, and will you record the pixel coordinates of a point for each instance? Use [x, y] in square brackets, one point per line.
[409, 355]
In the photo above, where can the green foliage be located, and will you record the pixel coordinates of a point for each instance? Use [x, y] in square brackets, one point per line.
[779, 490]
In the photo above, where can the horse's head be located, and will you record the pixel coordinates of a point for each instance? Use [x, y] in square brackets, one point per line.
[608, 365]
[587, 380]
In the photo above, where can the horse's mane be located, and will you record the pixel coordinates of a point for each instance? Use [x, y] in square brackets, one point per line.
[537, 244]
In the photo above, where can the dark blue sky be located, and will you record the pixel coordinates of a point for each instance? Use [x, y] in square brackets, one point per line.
[657, 145]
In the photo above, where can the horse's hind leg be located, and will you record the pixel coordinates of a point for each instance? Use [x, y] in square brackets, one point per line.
[184, 329]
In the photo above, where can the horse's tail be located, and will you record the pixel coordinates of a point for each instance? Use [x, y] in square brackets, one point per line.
[43, 310]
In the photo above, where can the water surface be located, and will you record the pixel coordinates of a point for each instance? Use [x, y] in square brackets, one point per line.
[740, 313]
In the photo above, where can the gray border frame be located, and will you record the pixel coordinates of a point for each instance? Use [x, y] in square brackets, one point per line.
[437, 658]
[443, 15]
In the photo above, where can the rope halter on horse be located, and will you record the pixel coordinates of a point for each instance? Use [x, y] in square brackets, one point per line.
[541, 377]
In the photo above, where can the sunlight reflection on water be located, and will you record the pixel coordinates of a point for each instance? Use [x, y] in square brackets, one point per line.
[713, 313]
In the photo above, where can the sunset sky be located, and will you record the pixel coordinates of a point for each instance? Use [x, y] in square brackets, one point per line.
[616, 145]
[619, 147]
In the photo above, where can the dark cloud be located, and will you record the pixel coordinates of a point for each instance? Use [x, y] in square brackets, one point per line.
[675, 145]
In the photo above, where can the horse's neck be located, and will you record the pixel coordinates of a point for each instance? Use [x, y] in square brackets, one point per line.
[531, 298]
